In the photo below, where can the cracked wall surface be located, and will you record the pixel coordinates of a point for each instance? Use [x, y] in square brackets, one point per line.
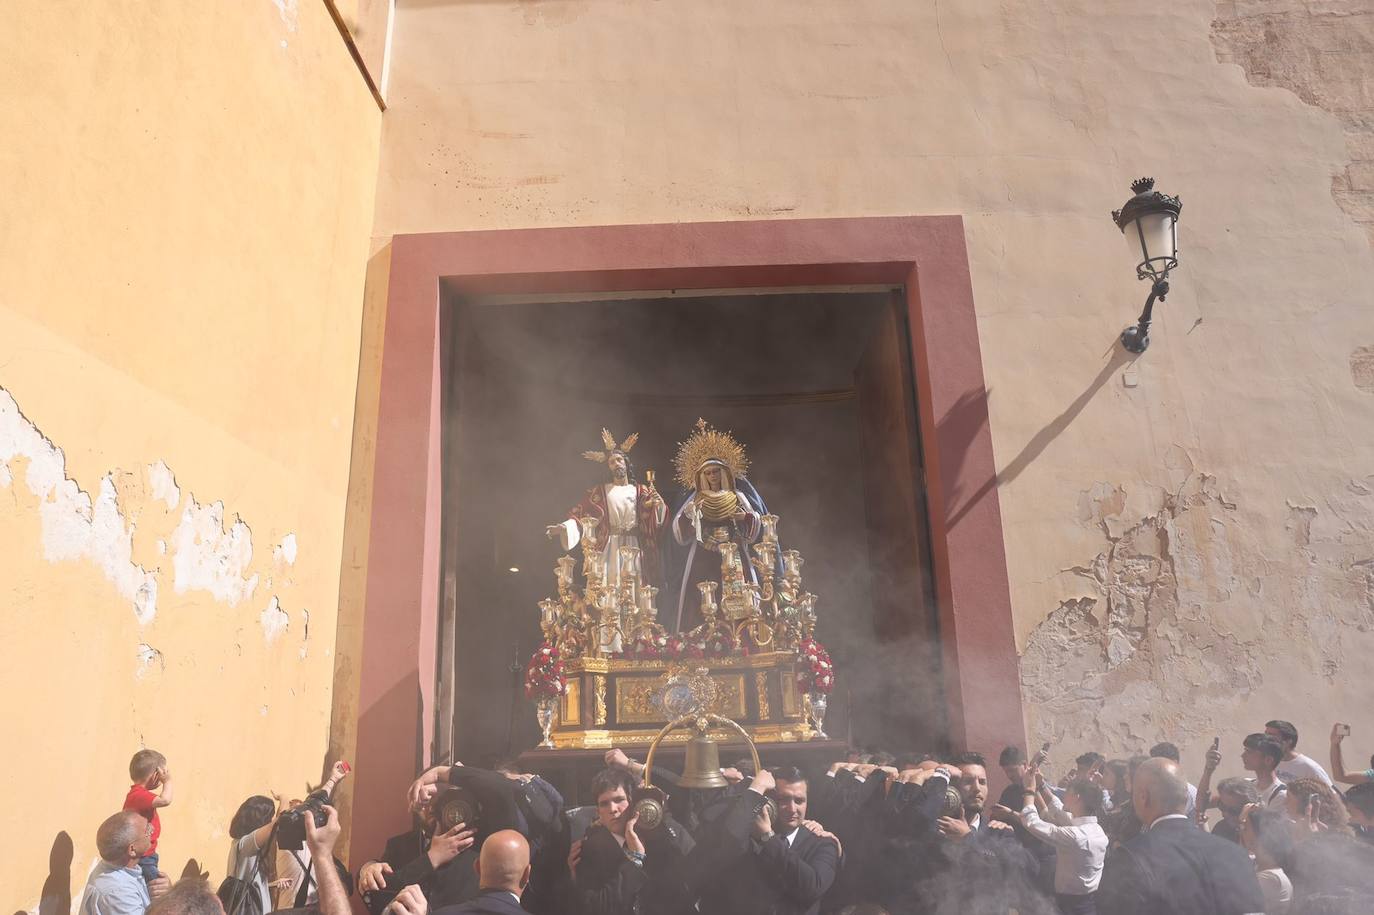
[178, 357]
[1324, 53]
[1185, 618]
[1228, 586]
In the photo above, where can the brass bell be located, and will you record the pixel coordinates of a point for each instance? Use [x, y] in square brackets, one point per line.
[648, 806]
[454, 805]
[953, 806]
[701, 769]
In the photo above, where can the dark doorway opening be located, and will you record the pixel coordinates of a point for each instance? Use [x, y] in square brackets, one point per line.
[817, 383]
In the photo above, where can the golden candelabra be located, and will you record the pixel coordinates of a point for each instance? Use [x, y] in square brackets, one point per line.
[606, 615]
[775, 613]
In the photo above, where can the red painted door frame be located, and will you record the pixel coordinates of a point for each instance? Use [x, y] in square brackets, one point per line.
[924, 254]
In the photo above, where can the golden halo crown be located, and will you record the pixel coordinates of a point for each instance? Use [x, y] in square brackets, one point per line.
[707, 444]
[608, 441]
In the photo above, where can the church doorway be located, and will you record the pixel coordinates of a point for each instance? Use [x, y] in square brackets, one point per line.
[397, 682]
[815, 382]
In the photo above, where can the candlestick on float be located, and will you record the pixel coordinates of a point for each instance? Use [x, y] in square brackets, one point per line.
[563, 571]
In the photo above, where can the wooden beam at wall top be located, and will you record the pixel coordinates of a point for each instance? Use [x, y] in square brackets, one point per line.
[353, 52]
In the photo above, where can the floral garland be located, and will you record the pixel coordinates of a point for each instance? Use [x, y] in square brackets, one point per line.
[696, 644]
[544, 677]
[646, 648]
[815, 673]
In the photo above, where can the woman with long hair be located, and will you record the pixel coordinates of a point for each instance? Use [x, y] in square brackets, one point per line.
[251, 829]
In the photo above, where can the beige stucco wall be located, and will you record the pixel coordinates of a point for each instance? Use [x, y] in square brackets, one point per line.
[1188, 534]
[183, 239]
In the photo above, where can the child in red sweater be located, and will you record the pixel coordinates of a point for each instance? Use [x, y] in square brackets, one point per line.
[148, 769]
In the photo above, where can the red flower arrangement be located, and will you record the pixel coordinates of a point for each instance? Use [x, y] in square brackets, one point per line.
[544, 677]
[815, 673]
[696, 644]
[683, 647]
[647, 648]
[721, 642]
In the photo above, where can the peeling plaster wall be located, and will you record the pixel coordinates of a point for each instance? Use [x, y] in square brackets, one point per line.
[1188, 534]
[1323, 52]
[183, 236]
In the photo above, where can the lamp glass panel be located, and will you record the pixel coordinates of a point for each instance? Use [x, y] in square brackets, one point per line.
[1157, 229]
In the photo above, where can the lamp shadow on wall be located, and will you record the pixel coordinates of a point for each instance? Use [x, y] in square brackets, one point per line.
[56, 898]
[969, 414]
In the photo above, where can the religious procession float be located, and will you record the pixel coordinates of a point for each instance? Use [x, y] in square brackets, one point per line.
[737, 626]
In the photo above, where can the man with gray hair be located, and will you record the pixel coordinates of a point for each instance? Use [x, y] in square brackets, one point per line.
[116, 886]
[1173, 866]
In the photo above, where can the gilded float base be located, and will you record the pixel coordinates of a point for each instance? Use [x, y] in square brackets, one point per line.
[613, 702]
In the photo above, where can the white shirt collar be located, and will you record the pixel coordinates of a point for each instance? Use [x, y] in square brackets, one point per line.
[1169, 816]
[792, 836]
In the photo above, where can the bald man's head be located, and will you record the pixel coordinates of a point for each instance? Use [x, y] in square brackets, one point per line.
[504, 863]
[1158, 790]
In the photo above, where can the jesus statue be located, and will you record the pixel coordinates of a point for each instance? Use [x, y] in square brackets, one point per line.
[627, 513]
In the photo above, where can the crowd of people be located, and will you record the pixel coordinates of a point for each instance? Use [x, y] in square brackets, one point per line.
[911, 834]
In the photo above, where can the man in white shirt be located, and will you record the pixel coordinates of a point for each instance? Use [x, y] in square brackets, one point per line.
[116, 886]
[1080, 843]
[1294, 765]
[1262, 756]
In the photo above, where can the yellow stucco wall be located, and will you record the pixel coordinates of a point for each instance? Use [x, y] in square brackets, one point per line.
[183, 240]
[1187, 535]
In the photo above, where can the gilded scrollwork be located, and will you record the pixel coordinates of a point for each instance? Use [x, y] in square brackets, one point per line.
[599, 687]
[637, 699]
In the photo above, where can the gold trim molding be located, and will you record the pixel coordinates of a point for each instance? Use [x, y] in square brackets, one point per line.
[605, 739]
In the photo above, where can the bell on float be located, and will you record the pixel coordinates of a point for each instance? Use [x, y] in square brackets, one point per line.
[702, 766]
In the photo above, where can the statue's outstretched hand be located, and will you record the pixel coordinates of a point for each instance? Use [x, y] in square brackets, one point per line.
[552, 531]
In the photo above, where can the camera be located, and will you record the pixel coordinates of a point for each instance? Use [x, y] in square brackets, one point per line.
[291, 824]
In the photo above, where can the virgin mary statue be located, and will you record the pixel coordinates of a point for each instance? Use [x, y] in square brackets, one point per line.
[720, 506]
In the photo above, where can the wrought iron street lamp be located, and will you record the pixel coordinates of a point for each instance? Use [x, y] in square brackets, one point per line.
[1149, 220]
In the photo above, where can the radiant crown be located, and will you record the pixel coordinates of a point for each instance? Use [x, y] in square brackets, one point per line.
[608, 441]
[707, 444]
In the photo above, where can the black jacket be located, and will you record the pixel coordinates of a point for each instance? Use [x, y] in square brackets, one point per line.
[453, 883]
[489, 902]
[609, 883]
[854, 811]
[1177, 868]
[773, 877]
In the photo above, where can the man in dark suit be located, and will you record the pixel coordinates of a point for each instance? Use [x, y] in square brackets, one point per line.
[503, 872]
[438, 861]
[785, 867]
[442, 861]
[1173, 866]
